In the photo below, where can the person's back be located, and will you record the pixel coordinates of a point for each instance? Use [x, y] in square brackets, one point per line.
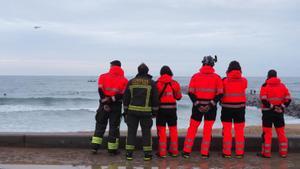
[233, 110]
[169, 92]
[140, 105]
[205, 91]
[205, 84]
[111, 87]
[275, 97]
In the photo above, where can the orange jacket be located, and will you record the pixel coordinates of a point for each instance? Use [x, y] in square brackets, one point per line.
[206, 84]
[274, 92]
[113, 82]
[234, 89]
[172, 91]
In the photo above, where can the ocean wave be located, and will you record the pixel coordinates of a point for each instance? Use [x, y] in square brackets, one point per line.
[28, 108]
[42, 100]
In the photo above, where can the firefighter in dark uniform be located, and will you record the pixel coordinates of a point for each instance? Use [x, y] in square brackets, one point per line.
[275, 97]
[140, 105]
[111, 87]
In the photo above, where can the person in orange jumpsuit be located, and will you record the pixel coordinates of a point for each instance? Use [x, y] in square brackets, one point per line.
[275, 97]
[169, 92]
[205, 91]
[111, 87]
[233, 110]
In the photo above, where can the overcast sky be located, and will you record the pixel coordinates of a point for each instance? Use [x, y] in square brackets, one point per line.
[80, 37]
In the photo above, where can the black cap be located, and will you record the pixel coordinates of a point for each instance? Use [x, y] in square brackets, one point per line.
[115, 63]
[272, 73]
[143, 69]
[166, 70]
[209, 60]
[234, 65]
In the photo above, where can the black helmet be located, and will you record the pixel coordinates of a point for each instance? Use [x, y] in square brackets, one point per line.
[166, 70]
[209, 60]
[143, 69]
[115, 63]
[272, 73]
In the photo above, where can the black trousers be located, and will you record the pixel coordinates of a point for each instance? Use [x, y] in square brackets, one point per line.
[114, 119]
[271, 117]
[166, 116]
[133, 120]
[233, 115]
[210, 115]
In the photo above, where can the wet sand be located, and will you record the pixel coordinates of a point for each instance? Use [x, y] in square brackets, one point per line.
[25, 158]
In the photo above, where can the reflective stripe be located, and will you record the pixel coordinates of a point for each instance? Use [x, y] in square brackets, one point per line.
[284, 149]
[139, 108]
[208, 90]
[147, 148]
[227, 143]
[266, 109]
[130, 147]
[239, 143]
[240, 149]
[188, 146]
[189, 140]
[267, 145]
[173, 143]
[201, 102]
[234, 95]
[264, 97]
[276, 99]
[112, 146]
[287, 97]
[205, 148]
[145, 108]
[96, 140]
[205, 142]
[226, 149]
[233, 105]
[168, 106]
[111, 89]
[168, 94]
[283, 144]
[173, 148]
[267, 151]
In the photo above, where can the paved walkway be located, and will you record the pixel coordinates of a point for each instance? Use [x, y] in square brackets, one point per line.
[35, 158]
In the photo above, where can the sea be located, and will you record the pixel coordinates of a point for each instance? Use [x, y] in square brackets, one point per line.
[69, 103]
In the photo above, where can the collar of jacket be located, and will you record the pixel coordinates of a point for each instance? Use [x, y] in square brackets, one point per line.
[234, 74]
[207, 69]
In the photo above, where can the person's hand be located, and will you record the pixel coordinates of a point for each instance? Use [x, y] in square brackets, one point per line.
[106, 100]
[204, 109]
[107, 108]
[278, 109]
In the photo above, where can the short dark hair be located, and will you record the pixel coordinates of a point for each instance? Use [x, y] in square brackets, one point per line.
[143, 69]
[115, 63]
[166, 70]
[234, 65]
[272, 73]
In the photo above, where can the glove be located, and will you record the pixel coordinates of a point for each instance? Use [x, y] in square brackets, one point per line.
[106, 100]
[278, 109]
[106, 108]
[204, 109]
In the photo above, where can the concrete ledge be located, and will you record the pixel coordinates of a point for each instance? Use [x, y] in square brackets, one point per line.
[78, 140]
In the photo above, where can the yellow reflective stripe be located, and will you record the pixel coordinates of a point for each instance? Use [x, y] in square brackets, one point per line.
[113, 89]
[112, 146]
[208, 90]
[168, 106]
[147, 148]
[96, 140]
[130, 147]
[139, 108]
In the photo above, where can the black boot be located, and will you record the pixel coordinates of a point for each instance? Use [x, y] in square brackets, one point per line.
[129, 155]
[186, 155]
[113, 152]
[94, 148]
[147, 155]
